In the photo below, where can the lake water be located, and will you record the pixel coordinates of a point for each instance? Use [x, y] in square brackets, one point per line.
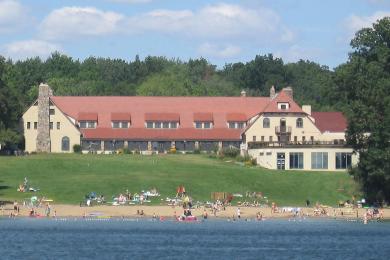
[214, 239]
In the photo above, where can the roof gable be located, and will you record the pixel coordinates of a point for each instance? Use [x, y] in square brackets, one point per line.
[282, 97]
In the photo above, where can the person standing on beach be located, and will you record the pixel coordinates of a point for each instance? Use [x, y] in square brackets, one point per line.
[238, 213]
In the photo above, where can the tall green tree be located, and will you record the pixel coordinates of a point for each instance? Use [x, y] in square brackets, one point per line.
[365, 82]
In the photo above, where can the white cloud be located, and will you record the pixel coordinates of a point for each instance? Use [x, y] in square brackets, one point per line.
[355, 22]
[31, 48]
[79, 21]
[11, 15]
[219, 21]
[215, 21]
[216, 51]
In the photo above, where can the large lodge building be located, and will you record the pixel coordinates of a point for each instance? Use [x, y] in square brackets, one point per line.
[275, 130]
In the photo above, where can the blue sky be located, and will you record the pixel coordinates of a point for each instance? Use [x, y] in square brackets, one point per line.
[220, 31]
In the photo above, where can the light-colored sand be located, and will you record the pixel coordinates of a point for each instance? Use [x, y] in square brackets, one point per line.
[169, 211]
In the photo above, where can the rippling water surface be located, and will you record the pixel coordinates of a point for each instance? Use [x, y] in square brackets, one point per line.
[145, 239]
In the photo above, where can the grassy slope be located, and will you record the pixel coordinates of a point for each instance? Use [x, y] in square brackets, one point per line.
[67, 178]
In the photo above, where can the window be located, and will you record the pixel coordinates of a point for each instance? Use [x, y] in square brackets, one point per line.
[35, 125]
[28, 125]
[206, 125]
[240, 125]
[296, 160]
[283, 106]
[87, 124]
[115, 124]
[149, 124]
[232, 125]
[254, 138]
[262, 138]
[343, 160]
[173, 124]
[157, 125]
[303, 138]
[58, 125]
[312, 138]
[125, 124]
[270, 138]
[65, 143]
[299, 123]
[319, 160]
[268, 153]
[165, 124]
[91, 124]
[262, 154]
[52, 112]
[51, 125]
[295, 139]
[266, 123]
[198, 125]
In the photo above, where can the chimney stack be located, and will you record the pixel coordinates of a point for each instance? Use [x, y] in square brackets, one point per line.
[289, 91]
[243, 93]
[272, 92]
[43, 137]
[307, 109]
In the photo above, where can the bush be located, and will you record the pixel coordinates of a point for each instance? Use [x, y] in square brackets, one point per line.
[77, 148]
[230, 152]
[197, 151]
[172, 150]
[126, 151]
[244, 158]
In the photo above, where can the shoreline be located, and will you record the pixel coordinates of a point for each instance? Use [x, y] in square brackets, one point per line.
[170, 212]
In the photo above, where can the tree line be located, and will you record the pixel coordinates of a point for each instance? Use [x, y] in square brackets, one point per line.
[359, 87]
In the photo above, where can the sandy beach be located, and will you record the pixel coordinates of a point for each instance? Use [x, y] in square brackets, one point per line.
[170, 211]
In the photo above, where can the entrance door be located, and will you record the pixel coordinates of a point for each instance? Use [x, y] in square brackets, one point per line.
[160, 147]
[282, 125]
[280, 161]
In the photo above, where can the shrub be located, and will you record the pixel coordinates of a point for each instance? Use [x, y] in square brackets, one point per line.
[126, 151]
[77, 148]
[172, 150]
[230, 152]
[244, 158]
[197, 151]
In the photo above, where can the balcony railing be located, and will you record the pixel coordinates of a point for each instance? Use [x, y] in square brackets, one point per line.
[302, 144]
[283, 129]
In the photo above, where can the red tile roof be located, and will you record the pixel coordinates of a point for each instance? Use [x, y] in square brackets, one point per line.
[163, 134]
[236, 117]
[120, 117]
[282, 97]
[203, 117]
[165, 117]
[87, 116]
[330, 121]
[220, 110]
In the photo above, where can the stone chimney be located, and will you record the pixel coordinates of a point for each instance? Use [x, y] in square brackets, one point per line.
[272, 92]
[307, 109]
[243, 93]
[43, 137]
[289, 91]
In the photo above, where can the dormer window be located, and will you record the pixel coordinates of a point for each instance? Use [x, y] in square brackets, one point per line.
[283, 105]
[120, 124]
[87, 124]
[236, 125]
[203, 125]
[161, 124]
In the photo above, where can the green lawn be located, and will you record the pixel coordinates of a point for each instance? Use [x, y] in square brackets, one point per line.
[67, 178]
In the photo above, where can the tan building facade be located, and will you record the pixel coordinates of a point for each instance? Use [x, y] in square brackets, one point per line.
[275, 130]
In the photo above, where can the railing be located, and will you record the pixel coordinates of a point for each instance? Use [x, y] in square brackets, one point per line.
[302, 144]
[283, 129]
